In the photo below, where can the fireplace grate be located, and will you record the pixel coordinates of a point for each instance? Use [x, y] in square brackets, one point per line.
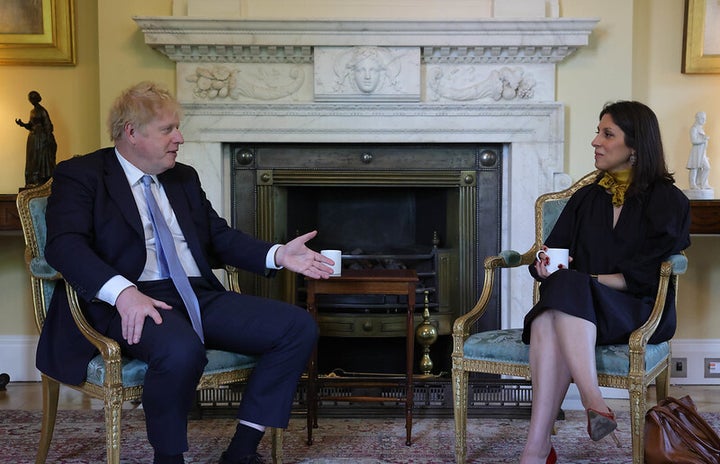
[503, 398]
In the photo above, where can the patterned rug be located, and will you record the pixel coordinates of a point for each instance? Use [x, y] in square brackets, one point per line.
[79, 439]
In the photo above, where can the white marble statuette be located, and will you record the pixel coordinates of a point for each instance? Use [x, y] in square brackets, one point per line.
[698, 164]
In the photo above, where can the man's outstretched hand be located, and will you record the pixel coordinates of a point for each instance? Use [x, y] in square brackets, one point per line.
[297, 257]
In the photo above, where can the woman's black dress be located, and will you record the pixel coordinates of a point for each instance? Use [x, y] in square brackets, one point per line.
[651, 227]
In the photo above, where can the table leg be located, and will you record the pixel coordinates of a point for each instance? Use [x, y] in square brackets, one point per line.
[410, 355]
[312, 397]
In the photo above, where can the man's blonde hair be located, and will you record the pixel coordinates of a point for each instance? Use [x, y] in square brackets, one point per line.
[139, 105]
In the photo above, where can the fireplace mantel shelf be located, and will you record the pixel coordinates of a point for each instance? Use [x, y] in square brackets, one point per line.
[484, 40]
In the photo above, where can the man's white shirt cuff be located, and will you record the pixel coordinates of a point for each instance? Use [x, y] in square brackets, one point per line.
[270, 258]
[112, 289]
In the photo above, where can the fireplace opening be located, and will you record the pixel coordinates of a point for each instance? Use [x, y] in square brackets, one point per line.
[369, 220]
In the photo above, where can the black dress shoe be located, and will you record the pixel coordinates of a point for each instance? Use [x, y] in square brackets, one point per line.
[249, 459]
[165, 459]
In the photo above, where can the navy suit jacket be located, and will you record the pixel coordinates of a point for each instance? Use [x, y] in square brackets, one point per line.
[95, 232]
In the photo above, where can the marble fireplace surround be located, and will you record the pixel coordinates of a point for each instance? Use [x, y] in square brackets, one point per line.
[480, 81]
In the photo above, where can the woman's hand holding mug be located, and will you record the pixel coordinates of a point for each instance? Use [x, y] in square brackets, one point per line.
[553, 259]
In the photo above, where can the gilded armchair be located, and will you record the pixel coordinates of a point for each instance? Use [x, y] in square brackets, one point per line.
[111, 377]
[632, 367]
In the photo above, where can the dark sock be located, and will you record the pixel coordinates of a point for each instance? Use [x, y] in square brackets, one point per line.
[244, 443]
[168, 459]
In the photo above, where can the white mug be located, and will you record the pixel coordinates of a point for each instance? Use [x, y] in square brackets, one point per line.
[558, 257]
[336, 256]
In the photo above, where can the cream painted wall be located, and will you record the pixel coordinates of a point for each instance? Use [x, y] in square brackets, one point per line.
[635, 52]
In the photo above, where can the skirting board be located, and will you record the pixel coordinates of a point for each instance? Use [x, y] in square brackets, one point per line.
[17, 358]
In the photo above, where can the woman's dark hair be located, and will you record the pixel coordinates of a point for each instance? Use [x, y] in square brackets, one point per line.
[642, 134]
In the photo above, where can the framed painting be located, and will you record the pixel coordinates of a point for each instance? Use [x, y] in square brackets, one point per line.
[701, 37]
[37, 32]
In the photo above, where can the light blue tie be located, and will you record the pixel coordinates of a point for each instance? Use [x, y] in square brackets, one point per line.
[168, 259]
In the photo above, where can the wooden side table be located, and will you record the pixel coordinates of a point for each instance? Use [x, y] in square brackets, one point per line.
[365, 282]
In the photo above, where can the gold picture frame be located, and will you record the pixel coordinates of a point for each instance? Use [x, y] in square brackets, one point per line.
[697, 59]
[49, 43]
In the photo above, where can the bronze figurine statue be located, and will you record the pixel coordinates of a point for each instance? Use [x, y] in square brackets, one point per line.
[41, 145]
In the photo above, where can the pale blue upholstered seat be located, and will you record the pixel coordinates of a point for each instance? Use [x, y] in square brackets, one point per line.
[110, 377]
[507, 346]
[133, 370]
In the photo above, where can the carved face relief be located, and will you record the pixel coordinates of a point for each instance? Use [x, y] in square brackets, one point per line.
[368, 73]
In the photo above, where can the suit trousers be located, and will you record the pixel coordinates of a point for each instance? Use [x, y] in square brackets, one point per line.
[283, 335]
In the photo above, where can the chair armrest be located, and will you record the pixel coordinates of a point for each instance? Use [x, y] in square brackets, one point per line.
[679, 263]
[42, 276]
[505, 259]
[510, 258]
[669, 269]
[39, 268]
[109, 348]
[233, 277]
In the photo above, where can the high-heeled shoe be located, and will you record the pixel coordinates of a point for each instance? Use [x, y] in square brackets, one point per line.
[602, 424]
[552, 457]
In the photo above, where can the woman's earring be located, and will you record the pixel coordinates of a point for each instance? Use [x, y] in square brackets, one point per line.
[632, 159]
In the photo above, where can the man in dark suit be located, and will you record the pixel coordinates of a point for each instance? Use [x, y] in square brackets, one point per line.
[103, 239]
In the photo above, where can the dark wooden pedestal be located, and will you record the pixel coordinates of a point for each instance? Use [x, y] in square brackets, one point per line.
[705, 217]
[9, 217]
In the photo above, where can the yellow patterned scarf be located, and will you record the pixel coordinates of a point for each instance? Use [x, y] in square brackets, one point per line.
[617, 183]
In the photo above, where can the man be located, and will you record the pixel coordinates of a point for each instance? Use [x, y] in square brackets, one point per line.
[108, 218]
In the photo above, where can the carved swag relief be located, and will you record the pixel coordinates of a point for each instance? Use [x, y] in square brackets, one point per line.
[466, 84]
[265, 83]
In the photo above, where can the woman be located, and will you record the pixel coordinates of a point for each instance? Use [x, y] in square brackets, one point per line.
[618, 230]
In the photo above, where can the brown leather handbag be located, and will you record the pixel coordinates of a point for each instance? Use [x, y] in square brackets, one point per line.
[676, 434]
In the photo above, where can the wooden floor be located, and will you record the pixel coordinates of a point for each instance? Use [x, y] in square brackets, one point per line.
[28, 395]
